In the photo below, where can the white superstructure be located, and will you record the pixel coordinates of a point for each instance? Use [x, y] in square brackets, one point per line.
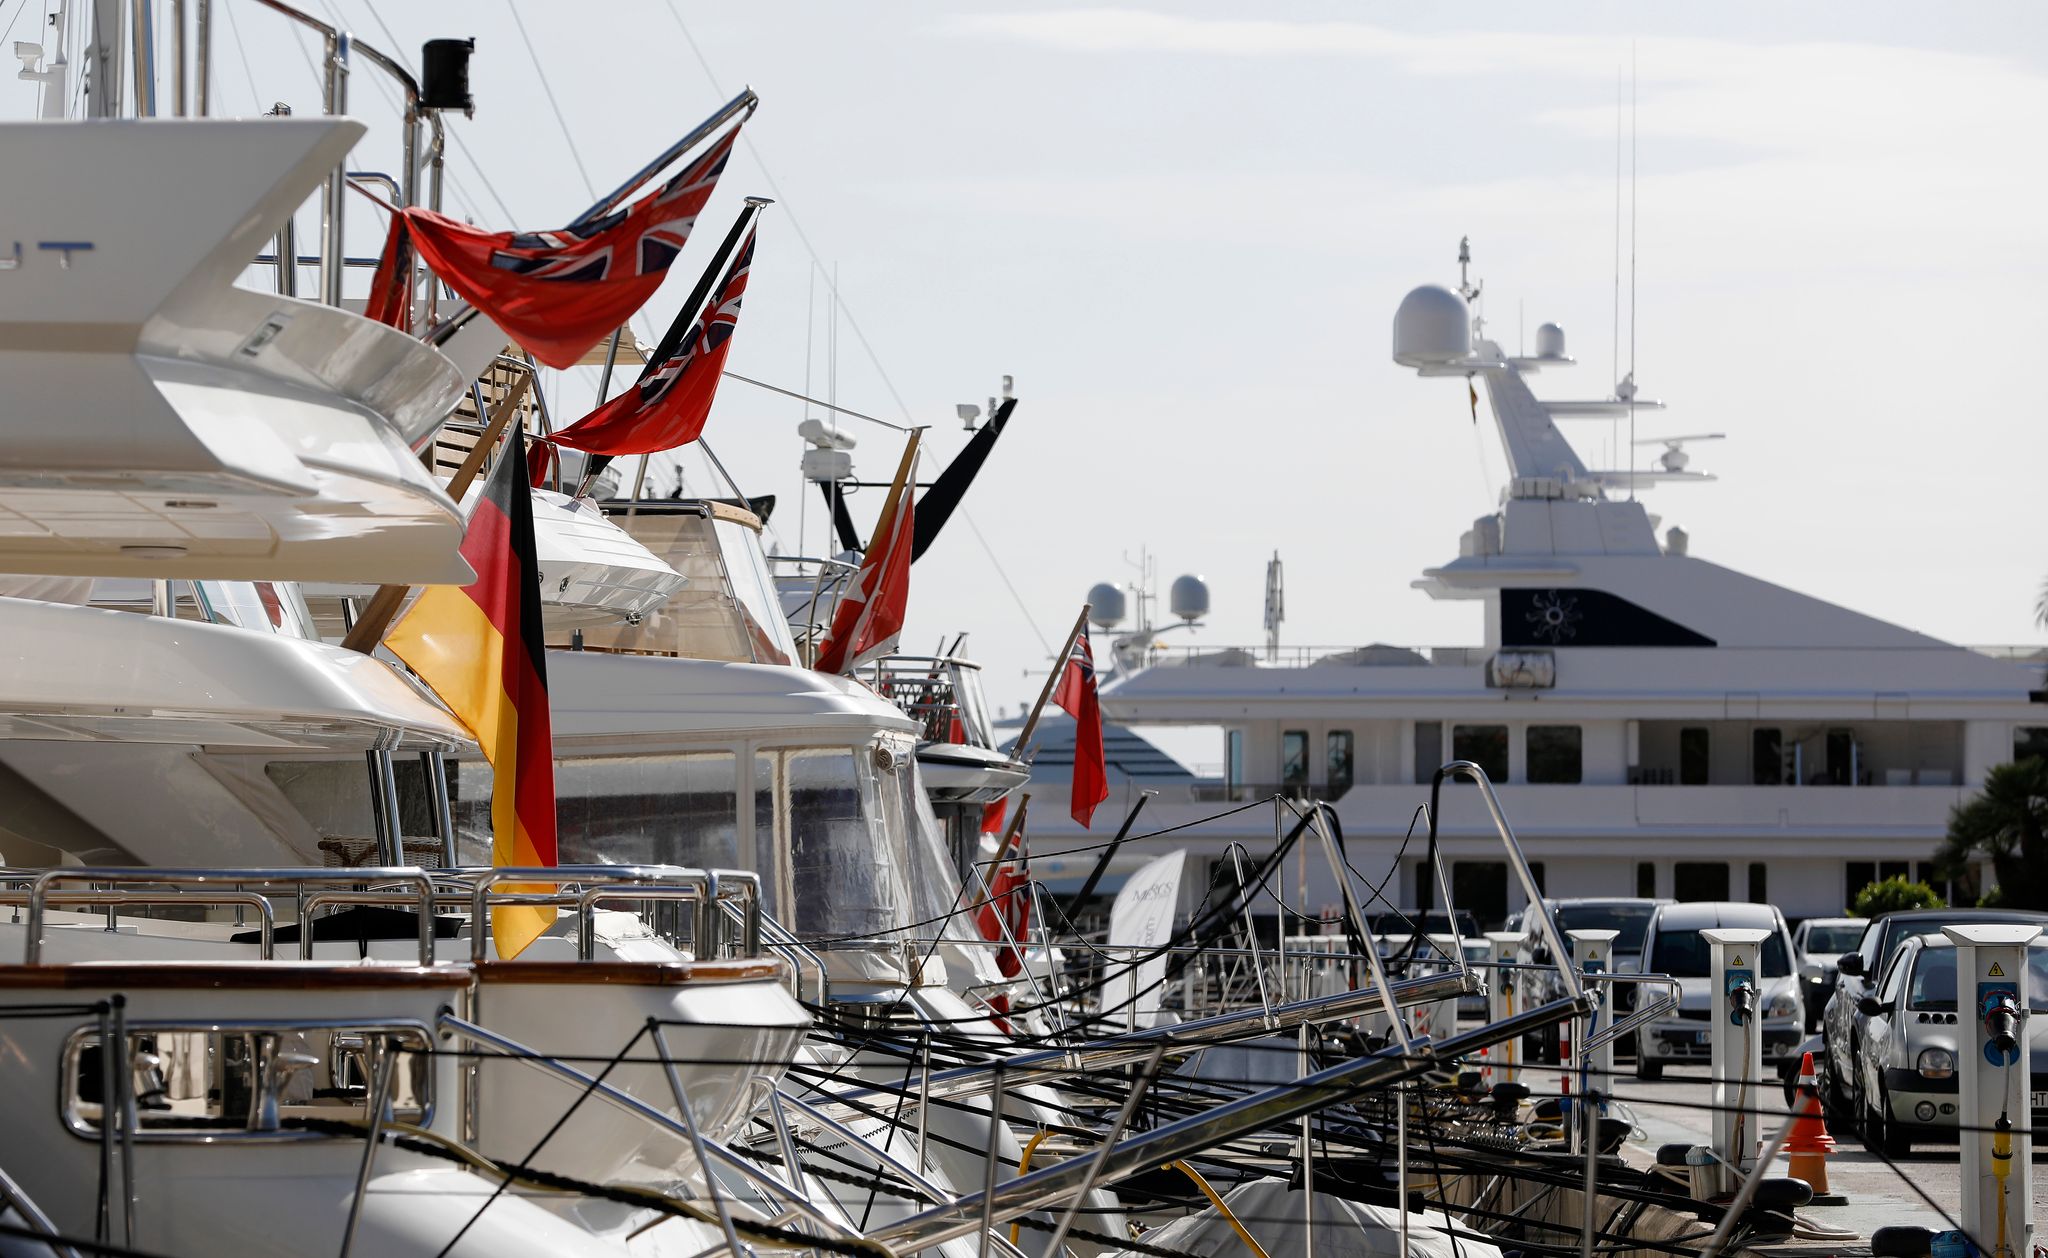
[1658, 725]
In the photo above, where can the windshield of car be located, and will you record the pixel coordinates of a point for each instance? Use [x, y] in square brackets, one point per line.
[1631, 920]
[1933, 986]
[1686, 954]
[1834, 939]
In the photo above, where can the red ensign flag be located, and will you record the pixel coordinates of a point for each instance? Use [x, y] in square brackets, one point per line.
[1076, 697]
[557, 293]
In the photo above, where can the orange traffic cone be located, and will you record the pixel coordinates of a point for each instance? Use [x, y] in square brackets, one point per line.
[1808, 1146]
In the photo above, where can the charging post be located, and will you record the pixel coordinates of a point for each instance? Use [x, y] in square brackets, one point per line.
[1736, 1031]
[1592, 954]
[1503, 1059]
[1994, 1111]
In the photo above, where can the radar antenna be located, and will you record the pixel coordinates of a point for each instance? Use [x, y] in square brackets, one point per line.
[1276, 607]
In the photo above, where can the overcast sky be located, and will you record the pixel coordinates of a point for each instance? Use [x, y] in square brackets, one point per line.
[1185, 232]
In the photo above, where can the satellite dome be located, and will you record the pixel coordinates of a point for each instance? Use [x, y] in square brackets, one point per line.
[1432, 328]
[1105, 605]
[1188, 597]
[1550, 341]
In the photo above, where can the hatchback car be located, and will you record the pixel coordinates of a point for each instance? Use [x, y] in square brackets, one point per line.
[1841, 1024]
[1818, 944]
[1673, 946]
[1905, 1080]
[1629, 917]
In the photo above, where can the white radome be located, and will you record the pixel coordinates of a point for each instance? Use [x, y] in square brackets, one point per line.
[1433, 327]
[1550, 341]
[1105, 605]
[1189, 597]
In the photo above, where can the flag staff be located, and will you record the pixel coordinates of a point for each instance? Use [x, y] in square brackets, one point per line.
[369, 628]
[1052, 680]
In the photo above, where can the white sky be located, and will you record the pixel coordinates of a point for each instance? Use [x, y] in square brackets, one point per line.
[1185, 233]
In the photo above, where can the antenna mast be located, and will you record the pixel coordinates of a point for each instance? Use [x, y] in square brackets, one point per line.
[1276, 607]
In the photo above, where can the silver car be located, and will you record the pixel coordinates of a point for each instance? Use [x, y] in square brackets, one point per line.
[1818, 944]
[1674, 947]
[1905, 1084]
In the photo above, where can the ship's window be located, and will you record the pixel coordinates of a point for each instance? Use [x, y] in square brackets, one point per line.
[1536, 874]
[1485, 746]
[1294, 757]
[1233, 758]
[1429, 749]
[1767, 757]
[1699, 880]
[767, 840]
[1759, 883]
[1481, 888]
[677, 809]
[1337, 771]
[1844, 760]
[1693, 755]
[2030, 740]
[853, 871]
[1857, 875]
[1555, 753]
[1646, 880]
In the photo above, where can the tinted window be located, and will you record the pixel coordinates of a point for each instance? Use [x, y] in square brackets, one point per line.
[1337, 770]
[1834, 938]
[1686, 954]
[1294, 758]
[1555, 753]
[1630, 919]
[1485, 746]
[1693, 753]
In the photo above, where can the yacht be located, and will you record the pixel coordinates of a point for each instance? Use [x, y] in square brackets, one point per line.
[1658, 724]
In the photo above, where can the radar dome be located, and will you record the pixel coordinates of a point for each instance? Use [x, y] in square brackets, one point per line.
[1105, 605]
[1550, 341]
[1433, 327]
[1189, 597]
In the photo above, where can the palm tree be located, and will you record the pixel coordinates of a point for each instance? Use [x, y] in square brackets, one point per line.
[2007, 821]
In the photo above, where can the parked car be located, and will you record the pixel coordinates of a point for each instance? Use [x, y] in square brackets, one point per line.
[1841, 1024]
[1628, 915]
[1905, 1080]
[1673, 946]
[1394, 935]
[1817, 944]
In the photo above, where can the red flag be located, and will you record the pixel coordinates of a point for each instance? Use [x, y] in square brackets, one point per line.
[869, 616]
[669, 405]
[557, 293]
[1076, 697]
[1006, 916]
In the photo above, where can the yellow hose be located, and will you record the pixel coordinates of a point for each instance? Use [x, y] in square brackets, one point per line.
[1023, 1169]
[1221, 1209]
[2001, 1167]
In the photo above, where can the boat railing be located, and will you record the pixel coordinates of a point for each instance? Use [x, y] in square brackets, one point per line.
[790, 1196]
[727, 917]
[1305, 655]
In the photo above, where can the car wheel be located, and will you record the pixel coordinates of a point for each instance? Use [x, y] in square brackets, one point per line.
[1833, 1100]
[1885, 1136]
[1646, 1068]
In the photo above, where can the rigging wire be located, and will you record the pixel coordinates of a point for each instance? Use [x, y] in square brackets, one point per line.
[235, 29]
[1632, 183]
[853, 324]
[547, 88]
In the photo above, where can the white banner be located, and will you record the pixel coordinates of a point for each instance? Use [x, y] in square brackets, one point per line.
[1142, 918]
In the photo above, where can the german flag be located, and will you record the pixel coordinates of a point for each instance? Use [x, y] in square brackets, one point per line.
[480, 648]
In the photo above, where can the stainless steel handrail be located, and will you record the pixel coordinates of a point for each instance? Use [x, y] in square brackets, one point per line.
[1204, 1131]
[515, 1051]
[266, 927]
[1516, 861]
[1135, 1046]
[32, 1215]
[43, 882]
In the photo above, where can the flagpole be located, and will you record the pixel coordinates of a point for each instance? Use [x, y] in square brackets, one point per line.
[686, 318]
[1052, 680]
[745, 102]
[369, 628]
